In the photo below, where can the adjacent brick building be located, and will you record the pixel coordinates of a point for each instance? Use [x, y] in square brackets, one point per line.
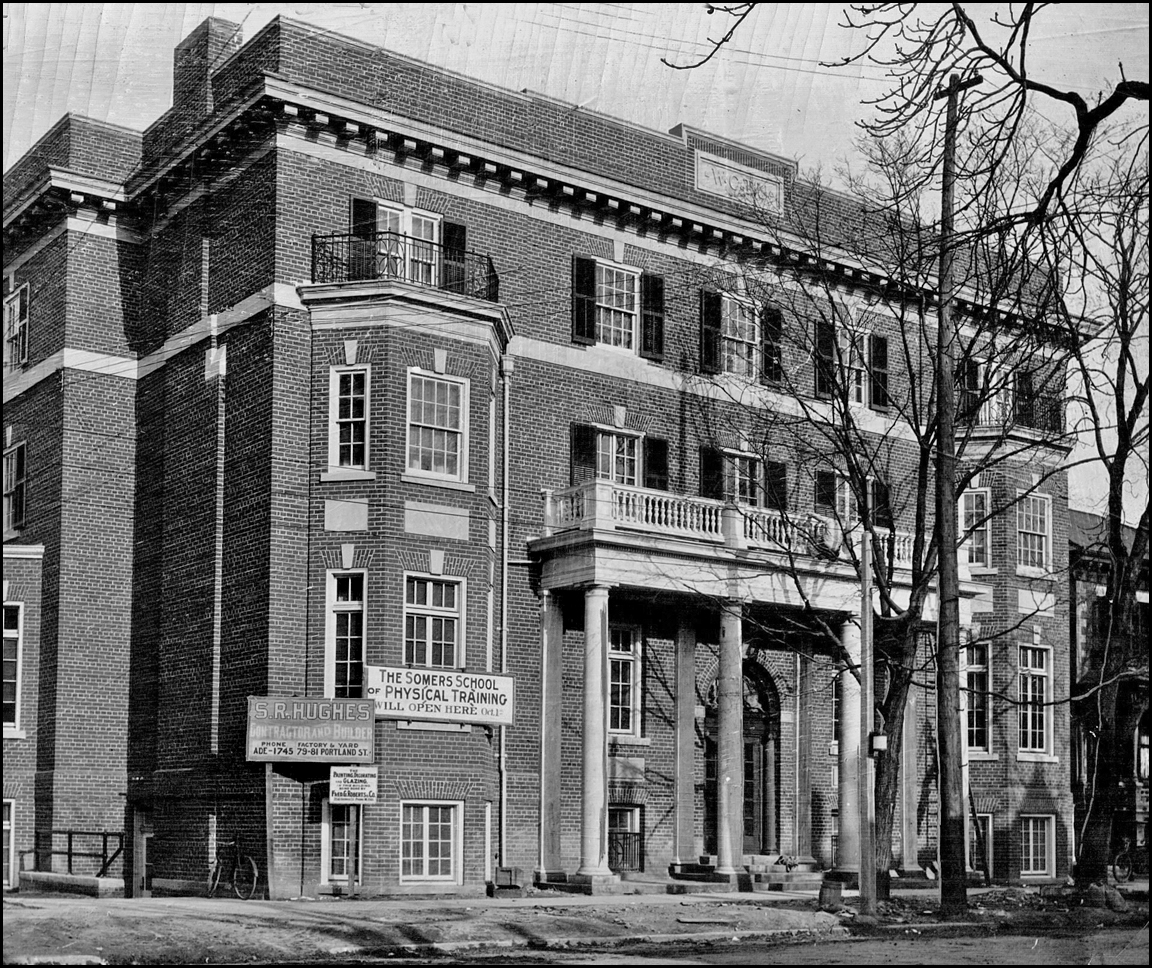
[349, 368]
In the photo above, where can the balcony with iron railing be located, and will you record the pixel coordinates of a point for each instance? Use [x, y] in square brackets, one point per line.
[602, 505]
[1044, 415]
[346, 258]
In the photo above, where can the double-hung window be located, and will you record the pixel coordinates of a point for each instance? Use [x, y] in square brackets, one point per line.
[835, 498]
[430, 845]
[16, 328]
[348, 418]
[740, 338]
[976, 672]
[740, 335]
[734, 477]
[974, 527]
[15, 483]
[1034, 533]
[13, 630]
[437, 426]
[346, 634]
[858, 357]
[619, 456]
[616, 305]
[1035, 677]
[624, 683]
[1037, 846]
[432, 621]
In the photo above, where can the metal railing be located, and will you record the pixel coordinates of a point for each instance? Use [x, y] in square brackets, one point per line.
[625, 850]
[44, 848]
[390, 255]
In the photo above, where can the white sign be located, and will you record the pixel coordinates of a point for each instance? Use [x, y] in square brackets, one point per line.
[352, 784]
[719, 176]
[440, 695]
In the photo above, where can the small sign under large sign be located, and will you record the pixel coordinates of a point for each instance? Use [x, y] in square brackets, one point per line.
[440, 695]
[287, 730]
[352, 784]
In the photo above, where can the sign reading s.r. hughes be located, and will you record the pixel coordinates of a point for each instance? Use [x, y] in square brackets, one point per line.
[759, 189]
[284, 730]
[440, 695]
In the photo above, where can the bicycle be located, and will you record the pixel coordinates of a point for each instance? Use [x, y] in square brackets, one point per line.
[1125, 859]
[244, 873]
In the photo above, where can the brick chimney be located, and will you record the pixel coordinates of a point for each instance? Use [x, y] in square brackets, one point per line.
[196, 56]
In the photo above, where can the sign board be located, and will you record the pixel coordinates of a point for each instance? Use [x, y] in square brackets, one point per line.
[352, 784]
[440, 695]
[283, 730]
[719, 176]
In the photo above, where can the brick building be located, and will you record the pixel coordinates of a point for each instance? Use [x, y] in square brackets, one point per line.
[323, 381]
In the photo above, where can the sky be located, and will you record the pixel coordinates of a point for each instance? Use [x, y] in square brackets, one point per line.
[768, 89]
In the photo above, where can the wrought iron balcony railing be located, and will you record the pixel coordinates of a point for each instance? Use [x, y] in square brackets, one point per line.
[389, 255]
[625, 850]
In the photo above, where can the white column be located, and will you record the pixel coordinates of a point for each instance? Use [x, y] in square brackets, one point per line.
[730, 742]
[594, 806]
[848, 837]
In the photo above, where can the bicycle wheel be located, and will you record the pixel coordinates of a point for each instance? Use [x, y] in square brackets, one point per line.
[1122, 866]
[214, 878]
[244, 878]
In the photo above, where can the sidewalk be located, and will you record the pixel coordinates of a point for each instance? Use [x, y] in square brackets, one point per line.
[76, 930]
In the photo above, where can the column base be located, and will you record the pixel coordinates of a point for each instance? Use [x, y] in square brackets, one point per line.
[597, 883]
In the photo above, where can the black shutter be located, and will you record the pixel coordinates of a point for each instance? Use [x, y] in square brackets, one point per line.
[652, 316]
[583, 453]
[455, 263]
[583, 300]
[656, 463]
[771, 334]
[710, 323]
[1025, 402]
[878, 361]
[825, 490]
[776, 485]
[362, 248]
[711, 473]
[968, 391]
[825, 357]
[881, 504]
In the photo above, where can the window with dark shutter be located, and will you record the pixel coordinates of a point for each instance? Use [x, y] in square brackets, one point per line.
[968, 391]
[583, 453]
[825, 358]
[652, 316]
[362, 254]
[455, 263]
[711, 473]
[878, 360]
[776, 485]
[711, 318]
[825, 498]
[1025, 402]
[583, 300]
[772, 330]
[656, 463]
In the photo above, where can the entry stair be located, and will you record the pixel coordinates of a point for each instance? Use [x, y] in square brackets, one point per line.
[760, 872]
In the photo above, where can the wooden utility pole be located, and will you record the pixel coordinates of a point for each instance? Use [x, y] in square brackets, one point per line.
[953, 890]
[866, 786]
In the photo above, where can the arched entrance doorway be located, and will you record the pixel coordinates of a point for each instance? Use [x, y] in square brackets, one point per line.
[761, 757]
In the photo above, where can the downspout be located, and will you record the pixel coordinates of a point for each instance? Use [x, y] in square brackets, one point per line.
[503, 763]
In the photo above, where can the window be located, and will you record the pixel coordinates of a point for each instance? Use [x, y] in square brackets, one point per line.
[625, 839]
[624, 681]
[348, 409]
[825, 358]
[15, 481]
[432, 610]
[864, 357]
[617, 306]
[16, 328]
[12, 641]
[741, 479]
[437, 418]
[9, 844]
[430, 842]
[342, 842]
[618, 456]
[1037, 846]
[980, 836]
[739, 338]
[974, 527]
[1034, 689]
[833, 497]
[1034, 532]
[347, 609]
[392, 242]
[976, 668]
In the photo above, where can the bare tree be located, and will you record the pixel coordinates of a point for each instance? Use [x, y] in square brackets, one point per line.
[841, 300]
